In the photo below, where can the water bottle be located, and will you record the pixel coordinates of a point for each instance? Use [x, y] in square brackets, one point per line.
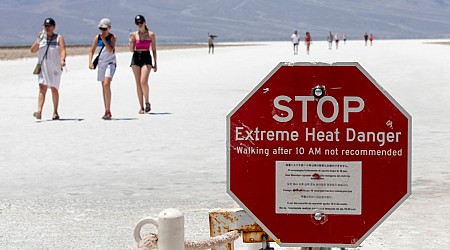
[130, 35]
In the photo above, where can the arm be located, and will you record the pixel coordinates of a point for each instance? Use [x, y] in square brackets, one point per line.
[91, 53]
[35, 46]
[62, 47]
[132, 42]
[109, 47]
[155, 66]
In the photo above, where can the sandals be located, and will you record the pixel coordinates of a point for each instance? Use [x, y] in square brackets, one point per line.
[55, 116]
[147, 107]
[38, 115]
[146, 110]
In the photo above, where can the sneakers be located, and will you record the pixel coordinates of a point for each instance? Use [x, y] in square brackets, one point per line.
[107, 115]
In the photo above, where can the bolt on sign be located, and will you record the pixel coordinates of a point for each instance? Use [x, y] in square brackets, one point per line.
[319, 154]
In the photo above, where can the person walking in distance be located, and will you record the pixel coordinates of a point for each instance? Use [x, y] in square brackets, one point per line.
[330, 40]
[336, 40]
[105, 44]
[366, 37]
[211, 38]
[308, 41]
[344, 37]
[371, 39]
[295, 39]
[141, 42]
[52, 58]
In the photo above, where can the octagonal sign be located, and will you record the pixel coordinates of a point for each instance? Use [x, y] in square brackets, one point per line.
[319, 154]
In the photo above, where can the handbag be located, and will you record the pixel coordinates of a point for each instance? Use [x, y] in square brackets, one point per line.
[95, 62]
[37, 70]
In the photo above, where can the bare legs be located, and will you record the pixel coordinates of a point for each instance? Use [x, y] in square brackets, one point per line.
[41, 97]
[55, 97]
[106, 87]
[141, 76]
[41, 100]
[106, 84]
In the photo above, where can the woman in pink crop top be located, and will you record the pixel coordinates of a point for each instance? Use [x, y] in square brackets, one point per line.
[141, 43]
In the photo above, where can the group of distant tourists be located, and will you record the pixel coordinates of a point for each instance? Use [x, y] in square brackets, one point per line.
[368, 37]
[52, 58]
[295, 39]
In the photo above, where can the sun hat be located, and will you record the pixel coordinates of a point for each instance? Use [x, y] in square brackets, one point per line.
[49, 21]
[104, 23]
[139, 18]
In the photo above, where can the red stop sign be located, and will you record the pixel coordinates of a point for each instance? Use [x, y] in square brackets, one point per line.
[319, 154]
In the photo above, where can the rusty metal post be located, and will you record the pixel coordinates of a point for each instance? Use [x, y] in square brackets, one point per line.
[225, 220]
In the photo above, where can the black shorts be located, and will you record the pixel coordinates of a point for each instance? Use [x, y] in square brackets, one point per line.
[141, 58]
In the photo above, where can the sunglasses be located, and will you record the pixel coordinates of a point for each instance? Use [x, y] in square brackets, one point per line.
[103, 29]
[139, 22]
[48, 26]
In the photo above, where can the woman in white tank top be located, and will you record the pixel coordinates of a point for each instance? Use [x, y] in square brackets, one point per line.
[52, 57]
[105, 44]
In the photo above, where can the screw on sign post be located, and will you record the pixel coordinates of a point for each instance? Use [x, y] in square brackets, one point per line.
[319, 154]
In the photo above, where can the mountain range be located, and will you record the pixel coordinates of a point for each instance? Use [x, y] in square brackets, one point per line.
[189, 21]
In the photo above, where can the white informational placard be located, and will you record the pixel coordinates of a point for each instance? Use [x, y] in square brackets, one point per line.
[305, 187]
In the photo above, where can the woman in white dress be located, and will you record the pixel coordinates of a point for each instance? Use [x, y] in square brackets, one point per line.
[52, 57]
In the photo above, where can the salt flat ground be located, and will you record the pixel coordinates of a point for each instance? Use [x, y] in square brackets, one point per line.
[83, 183]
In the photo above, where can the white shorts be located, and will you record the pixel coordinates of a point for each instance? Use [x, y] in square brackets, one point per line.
[106, 70]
